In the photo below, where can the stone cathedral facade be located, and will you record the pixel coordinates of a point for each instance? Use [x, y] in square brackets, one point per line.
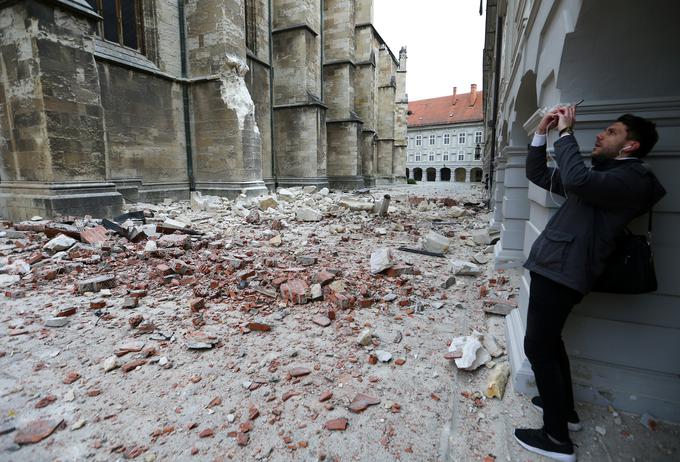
[104, 100]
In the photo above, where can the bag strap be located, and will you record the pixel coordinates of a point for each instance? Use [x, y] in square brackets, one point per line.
[649, 226]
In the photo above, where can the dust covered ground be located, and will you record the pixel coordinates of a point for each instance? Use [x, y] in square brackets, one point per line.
[256, 330]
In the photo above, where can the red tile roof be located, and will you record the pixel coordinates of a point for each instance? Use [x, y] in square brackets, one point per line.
[439, 111]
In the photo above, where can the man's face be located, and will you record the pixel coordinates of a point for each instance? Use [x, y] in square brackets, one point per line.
[611, 141]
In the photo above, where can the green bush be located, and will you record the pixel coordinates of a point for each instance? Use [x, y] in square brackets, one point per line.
[411, 181]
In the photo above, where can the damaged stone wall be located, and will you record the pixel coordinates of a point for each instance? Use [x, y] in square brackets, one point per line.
[53, 128]
[228, 156]
[259, 104]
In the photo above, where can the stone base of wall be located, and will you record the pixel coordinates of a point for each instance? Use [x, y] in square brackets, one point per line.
[233, 189]
[319, 182]
[346, 182]
[23, 200]
[369, 181]
[133, 190]
[379, 180]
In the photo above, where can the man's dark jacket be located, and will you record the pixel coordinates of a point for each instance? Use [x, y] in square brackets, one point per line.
[601, 201]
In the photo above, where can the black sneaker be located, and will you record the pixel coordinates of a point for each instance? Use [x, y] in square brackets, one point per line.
[573, 422]
[538, 441]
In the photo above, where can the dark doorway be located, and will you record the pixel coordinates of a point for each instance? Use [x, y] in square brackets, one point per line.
[445, 174]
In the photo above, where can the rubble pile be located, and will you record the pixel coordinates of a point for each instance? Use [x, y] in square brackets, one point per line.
[251, 328]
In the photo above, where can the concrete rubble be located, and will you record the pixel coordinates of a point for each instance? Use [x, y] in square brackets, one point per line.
[282, 327]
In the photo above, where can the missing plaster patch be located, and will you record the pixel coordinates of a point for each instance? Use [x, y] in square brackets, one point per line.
[234, 92]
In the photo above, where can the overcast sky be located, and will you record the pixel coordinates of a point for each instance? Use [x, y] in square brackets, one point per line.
[444, 40]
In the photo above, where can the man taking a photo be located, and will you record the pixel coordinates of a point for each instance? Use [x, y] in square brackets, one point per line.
[571, 252]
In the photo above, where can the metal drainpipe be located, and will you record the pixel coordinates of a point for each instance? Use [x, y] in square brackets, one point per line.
[499, 43]
[274, 172]
[321, 29]
[185, 97]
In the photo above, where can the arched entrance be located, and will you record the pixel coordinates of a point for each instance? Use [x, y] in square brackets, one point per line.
[476, 175]
[418, 174]
[445, 174]
[431, 174]
[407, 172]
[459, 175]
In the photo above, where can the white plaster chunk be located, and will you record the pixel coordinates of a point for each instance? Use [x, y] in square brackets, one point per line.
[464, 268]
[381, 259]
[287, 195]
[307, 214]
[61, 242]
[454, 212]
[491, 345]
[355, 205]
[435, 242]
[150, 246]
[474, 354]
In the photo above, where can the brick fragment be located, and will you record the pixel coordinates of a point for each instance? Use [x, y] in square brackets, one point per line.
[336, 424]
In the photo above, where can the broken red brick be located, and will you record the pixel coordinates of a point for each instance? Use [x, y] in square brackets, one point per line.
[97, 304]
[295, 291]
[242, 439]
[127, 367]
[93, 235]
[246, 274]
[46, 401]
[258, 327]
[289, 394]
[135, 320]
[299, 371]
[71, 377]
[214, 402]
[361, 402]
[207, 433]
[196, 304]
[325, 396]
[66, 312]
[36, 431]
[253, 413]
[336, 424]
[246, 426]
[399, 361]
[323, 277]
[372, 359]
[94, 392]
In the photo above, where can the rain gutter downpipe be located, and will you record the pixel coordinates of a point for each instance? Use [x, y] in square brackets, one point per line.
[185, 97]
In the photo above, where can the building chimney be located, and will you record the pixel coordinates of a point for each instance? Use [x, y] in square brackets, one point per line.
[473, 94]
[455, 90]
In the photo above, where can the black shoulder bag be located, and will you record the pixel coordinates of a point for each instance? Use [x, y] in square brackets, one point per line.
[630, 268]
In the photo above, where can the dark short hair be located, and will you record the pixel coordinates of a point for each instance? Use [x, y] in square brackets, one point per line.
[641, 130]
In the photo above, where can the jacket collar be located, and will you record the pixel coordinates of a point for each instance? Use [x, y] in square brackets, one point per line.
[606, 163]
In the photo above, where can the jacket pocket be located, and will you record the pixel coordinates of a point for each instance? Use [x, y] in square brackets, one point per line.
[553, 251]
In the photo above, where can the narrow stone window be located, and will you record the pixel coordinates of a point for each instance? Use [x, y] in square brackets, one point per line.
[432, 139]
[417, 158]
[431, 157]
[461, 138]
[447, 138]
[446, 156]
[122, 22]
[478, 137]
[461, 156]
[251, 25]
[419, 140]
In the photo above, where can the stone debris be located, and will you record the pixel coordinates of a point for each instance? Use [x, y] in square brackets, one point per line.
[497, 381]
[435, 242]
[381, 260]
[365, 337]
[284, 306]
[464, 268]
[60, 243]
[308, 214]
[473, 354]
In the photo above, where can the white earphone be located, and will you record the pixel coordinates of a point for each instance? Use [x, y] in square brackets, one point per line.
[627, 148]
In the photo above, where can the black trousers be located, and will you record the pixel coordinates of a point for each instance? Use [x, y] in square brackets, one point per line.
[549, 305]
